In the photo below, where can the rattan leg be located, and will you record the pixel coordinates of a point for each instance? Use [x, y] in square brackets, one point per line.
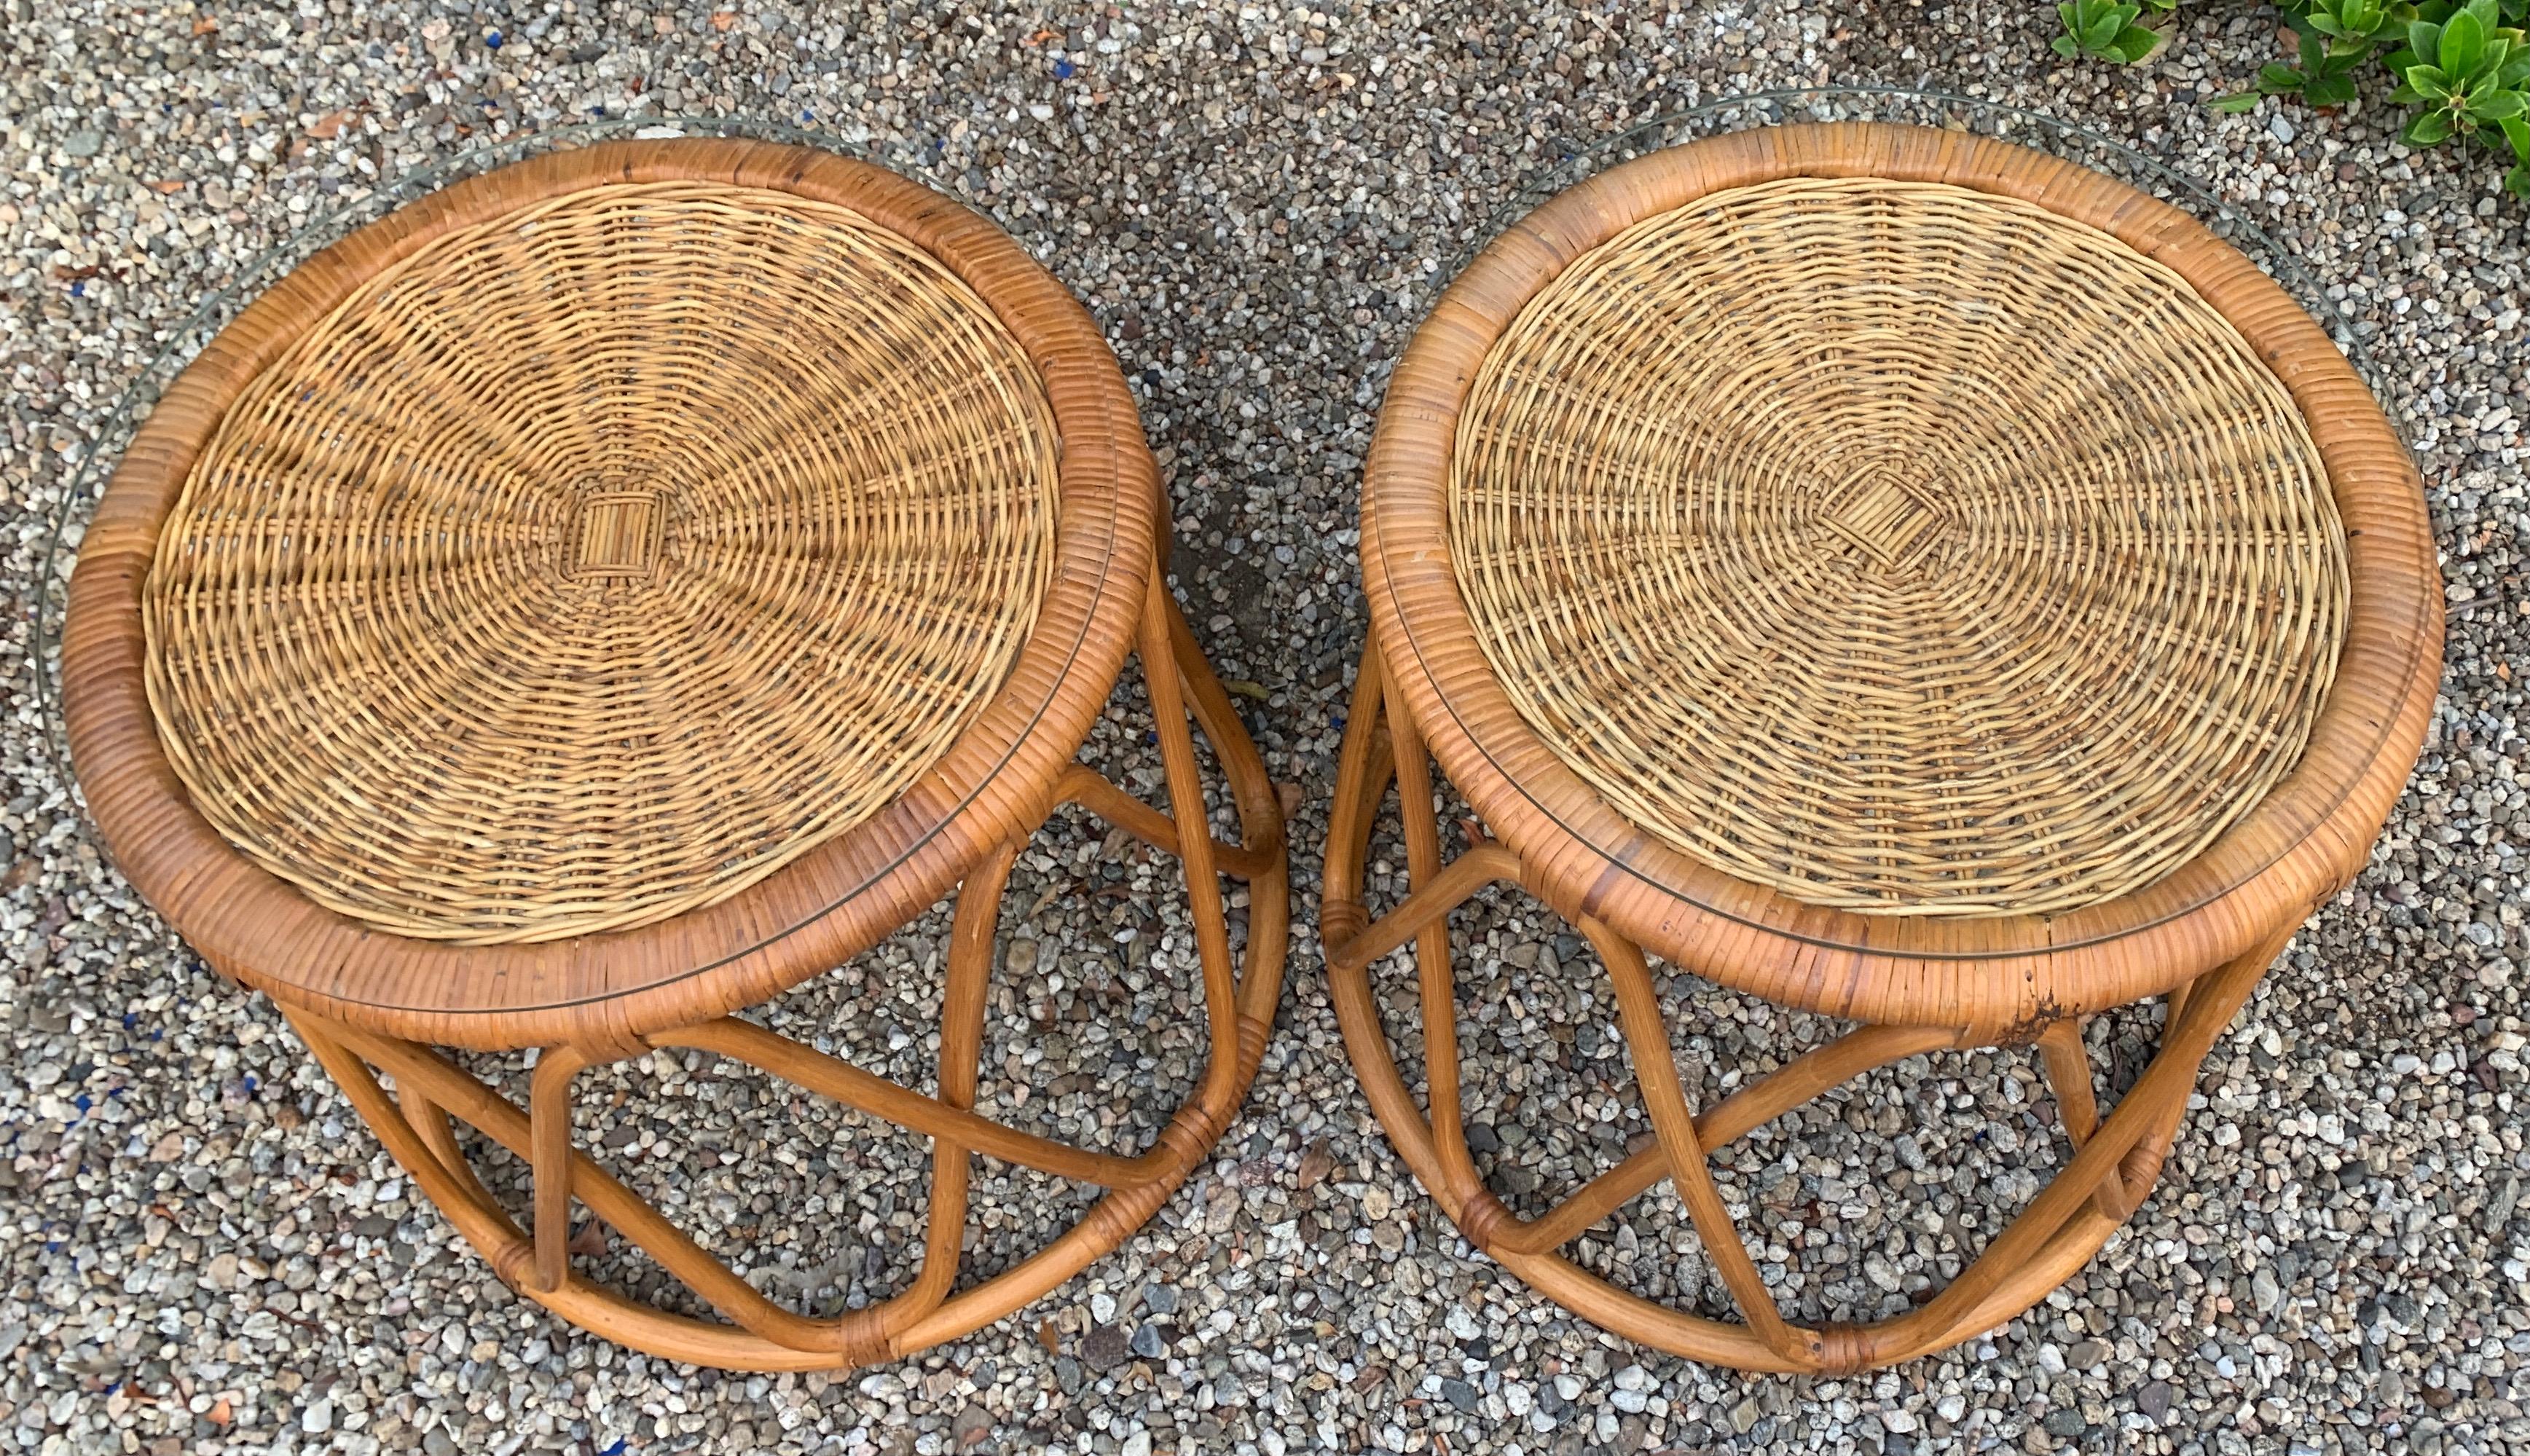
[2113, 1168]
[1240, 1000]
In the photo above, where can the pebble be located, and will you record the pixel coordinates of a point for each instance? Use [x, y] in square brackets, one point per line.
[1258, 203]
[1106, 1348]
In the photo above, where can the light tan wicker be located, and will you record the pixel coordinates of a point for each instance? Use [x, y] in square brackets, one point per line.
[503, 606]
[1834, 564]
[617, 588]
[1893, 572]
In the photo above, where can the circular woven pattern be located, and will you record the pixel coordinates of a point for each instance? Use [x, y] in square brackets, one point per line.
[1901, 547]
[590, 563]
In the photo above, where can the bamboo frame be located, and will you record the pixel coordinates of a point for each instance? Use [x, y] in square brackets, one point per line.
[936, 799]
[2113, 1167]
[2197, 929]
[414, 1120]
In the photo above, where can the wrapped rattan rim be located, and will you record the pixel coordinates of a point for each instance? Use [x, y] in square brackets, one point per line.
[2301, 841]
[827, 903]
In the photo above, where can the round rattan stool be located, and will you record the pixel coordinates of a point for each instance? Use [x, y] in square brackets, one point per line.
[1899, 575]
[617, 588]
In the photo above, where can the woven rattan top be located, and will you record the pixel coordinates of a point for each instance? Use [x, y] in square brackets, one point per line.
[598, 558]
[1899, 546]
[595, 580]
[1840, 555]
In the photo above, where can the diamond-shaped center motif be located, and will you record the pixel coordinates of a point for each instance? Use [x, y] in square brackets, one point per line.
[1891, 522]
[619, 534]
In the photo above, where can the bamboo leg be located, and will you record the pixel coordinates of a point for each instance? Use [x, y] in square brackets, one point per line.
[1665, 1097]
[549, 1108]
[1433, 964]
[1161, 676]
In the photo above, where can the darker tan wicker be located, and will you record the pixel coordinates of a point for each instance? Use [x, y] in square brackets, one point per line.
[611, 591]
[1893, 572]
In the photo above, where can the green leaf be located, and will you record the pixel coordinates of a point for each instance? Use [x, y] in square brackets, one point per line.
[2327, 24]
[2280, 81]
[2517, 132]
[2429, 129]
[2425, 38]
[2486, 12]
[2135, 43]
[2330, 90]
[2237, 102]
[2066, 47]
[2517, 182]
[2463, 41]
[2496, 106]
[2429, 81]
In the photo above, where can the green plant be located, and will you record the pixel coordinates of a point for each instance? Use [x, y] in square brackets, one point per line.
[2468, 72]
[2465, 66]
[2335, 37]
[2106, 30]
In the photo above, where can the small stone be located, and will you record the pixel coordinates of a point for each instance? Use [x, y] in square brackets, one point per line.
[1882, 1274]
[1745, 1416]
[438, 1442]
[1137, 1444]
[85, 142]
[1897, 1419]
[318, 1418]
[1102, 1307]
[2264, 1289]
[2281, 129]
[2087, 1354]
[973, 1425]
[1376, 1202]
[1161, 1299]
[1461, 1394]
[222, 1272]
[1106, 1348]
[2065, 1423]
[1149, 1343]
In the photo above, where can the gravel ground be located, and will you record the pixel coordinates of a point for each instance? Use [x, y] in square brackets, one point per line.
[203, 1252]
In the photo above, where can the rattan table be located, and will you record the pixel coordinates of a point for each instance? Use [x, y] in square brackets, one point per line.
[610, 591]
[1899, 575]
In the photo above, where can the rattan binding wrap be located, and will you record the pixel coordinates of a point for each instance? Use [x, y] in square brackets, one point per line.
[593, 560]
[1903, 547]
